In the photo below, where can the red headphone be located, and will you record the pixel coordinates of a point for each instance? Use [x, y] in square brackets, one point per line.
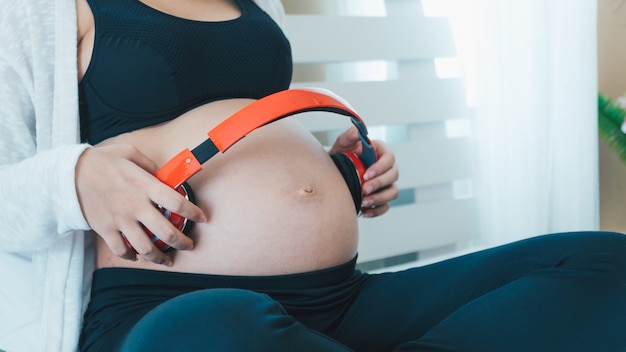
[259, 113]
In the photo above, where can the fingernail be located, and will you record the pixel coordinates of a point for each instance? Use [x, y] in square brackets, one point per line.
[368, 189]
[369, 175]
[364, 204]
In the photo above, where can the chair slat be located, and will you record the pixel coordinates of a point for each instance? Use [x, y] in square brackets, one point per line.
[424, 163]
[396, 102]
[408, 229]
[317, 38]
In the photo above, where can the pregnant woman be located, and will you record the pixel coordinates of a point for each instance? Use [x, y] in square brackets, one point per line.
[269, 264]
[275, 203]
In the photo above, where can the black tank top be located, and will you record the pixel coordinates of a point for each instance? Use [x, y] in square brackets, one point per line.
[149, 67]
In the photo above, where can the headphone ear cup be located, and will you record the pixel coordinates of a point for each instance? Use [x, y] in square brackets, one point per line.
[349, 169]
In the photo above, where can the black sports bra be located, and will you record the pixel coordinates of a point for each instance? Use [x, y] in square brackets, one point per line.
[149, 67]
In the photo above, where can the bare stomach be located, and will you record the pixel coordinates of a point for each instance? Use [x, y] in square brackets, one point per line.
[275, 201]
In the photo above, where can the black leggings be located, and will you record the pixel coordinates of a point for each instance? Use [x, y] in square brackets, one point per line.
[563, 292]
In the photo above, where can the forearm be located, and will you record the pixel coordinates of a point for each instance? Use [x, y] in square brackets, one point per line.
[40, 201]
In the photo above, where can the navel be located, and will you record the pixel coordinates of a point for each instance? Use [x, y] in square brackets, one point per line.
[307, 190]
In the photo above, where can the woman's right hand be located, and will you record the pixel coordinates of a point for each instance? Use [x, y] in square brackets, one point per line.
[118, 193]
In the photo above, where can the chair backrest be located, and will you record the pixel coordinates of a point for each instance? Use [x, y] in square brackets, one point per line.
[384, 66]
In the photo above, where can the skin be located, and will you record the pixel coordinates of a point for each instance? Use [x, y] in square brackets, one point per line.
[251, 217]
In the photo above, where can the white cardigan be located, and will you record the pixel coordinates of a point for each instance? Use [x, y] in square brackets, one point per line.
[45, 260]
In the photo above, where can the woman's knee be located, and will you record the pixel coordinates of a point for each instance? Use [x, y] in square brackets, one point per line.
[611, 243]
[580, 242]
[600, 254]
[613, 240]
[208, 318]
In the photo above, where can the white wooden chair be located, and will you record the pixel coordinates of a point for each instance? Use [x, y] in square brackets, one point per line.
[412, 109]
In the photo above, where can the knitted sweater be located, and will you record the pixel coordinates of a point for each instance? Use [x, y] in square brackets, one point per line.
[46, 261]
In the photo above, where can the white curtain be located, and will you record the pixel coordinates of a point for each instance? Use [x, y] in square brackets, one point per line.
[531, 70]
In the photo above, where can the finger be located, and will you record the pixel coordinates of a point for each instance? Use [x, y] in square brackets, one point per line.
[380, 198]
[347, 141]
[136, 156]
[386, 161]
[140, 241]
[163, 229]
[384, 180]
[374, 211]
[173, 201]
[118, 246]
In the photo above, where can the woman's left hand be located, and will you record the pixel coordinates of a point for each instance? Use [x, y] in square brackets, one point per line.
[379, 188]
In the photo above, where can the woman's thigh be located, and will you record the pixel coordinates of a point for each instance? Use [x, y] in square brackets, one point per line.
[564, 291]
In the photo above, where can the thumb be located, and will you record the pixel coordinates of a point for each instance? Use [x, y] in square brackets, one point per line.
[347, 141]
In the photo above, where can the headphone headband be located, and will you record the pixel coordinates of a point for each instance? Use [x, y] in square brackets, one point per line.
[259, 113]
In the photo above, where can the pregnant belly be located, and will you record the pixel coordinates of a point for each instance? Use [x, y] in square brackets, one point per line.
[275, 201]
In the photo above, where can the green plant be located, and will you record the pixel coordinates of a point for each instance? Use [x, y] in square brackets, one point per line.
[610, 119]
